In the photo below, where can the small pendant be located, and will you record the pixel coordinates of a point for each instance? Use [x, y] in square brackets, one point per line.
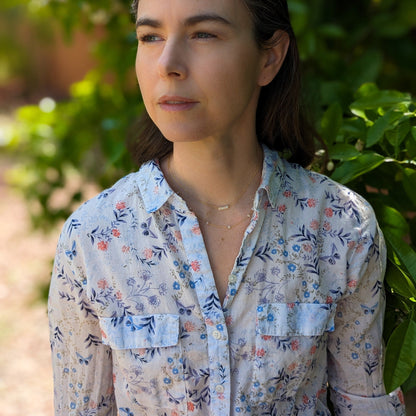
[223, 207]
[228, 227]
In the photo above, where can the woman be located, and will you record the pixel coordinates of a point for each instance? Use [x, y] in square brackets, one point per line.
[220, 279]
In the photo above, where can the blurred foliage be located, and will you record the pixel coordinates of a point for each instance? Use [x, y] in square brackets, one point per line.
[359, 61]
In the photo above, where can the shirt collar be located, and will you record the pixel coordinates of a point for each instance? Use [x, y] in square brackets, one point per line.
[156, 191]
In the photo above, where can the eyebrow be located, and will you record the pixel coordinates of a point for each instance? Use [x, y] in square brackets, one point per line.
[190, 21]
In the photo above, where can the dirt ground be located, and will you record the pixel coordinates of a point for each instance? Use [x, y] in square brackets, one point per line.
[25, 264]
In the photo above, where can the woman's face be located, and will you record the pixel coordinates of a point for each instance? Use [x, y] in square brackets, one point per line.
[199, 68]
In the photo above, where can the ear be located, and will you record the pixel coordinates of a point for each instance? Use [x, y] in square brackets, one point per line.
[273, 58]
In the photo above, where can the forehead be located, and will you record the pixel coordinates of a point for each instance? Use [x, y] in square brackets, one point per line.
[167, 11]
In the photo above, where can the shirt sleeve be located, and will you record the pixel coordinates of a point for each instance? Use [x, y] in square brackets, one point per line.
[82, 365]
[355, 348]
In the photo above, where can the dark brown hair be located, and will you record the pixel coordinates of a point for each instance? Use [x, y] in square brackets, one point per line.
[279, 121]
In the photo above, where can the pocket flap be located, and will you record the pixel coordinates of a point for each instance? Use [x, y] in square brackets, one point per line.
[291, 319]
[140, 331]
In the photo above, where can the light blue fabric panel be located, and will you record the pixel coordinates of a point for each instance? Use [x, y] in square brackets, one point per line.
[140, 331]
[291, 319]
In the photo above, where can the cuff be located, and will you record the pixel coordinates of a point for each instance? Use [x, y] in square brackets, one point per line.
[349, 404]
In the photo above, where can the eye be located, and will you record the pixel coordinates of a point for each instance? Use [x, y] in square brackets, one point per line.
[149, 38]
[203, 35]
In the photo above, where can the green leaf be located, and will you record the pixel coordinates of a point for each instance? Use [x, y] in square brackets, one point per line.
[410, 383]
[398, 134]
[331, 122]
[382, 124]
[352, 169]
[405, 256]
[343, 151]
[391, 219]
[400, 356]
[409, 183]
[379, 99]
[400, 282]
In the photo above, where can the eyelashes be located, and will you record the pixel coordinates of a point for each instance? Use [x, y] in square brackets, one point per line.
[152, 38]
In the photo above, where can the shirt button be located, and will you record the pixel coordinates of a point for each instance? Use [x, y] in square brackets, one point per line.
[216, 334]
[233, 278]
[219, 388]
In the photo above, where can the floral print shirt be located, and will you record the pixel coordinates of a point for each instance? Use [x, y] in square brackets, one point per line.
[137, 328]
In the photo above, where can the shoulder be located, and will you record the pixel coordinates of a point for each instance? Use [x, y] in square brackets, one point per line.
[104, 207]
[324, 198]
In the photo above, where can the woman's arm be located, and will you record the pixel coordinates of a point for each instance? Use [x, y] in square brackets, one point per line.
[356, 349]
[82, 365]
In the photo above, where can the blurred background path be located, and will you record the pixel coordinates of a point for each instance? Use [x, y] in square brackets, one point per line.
[25, 264]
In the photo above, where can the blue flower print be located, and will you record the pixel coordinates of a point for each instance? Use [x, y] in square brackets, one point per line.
[296, 248]
[285, 253]
[220, 327]
[259, 308]
[368, 346]
[281, 241]
[354, 355]
[306, 294]
[270, 317]
[291, 267]
[274, 251]
[176, 286]
[192, 284]
[167, 380]
[182, 275]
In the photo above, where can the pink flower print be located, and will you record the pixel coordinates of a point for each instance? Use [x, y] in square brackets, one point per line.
[120, 206]
[352, 283]
[191, 407]
[314, 224]
[102, 284]
[116, 233]
[311, 203]
[351, 244]
[307, 248]
[359, 248]
[329, 212]
[292, 366]
[141, 351]
[103, 334]
[209, 322]
[195, 266]
[196, 230]
[125, 249]
[282, 208]
[174, 413]
[229, 320]
[221, 396]
[102, 245]
[266, 337]
[189, 326]
[166, 212]
[290, 305]
[305, 399]
[327, 226]
[148, 253]
[114, 378]
[312, 350]
[173, 248]
[119, 295]
[260, 352]
[329, 299]
[294, 345]
[178, 235]
[287, 194]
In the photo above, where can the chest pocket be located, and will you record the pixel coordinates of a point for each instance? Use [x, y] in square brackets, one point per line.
[147, 359]
[290, 343]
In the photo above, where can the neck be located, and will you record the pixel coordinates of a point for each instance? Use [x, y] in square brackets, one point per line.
[216, 175]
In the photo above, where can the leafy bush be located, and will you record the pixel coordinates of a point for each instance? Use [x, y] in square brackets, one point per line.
[357, 57]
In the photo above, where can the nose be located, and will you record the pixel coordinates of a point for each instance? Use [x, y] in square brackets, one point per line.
[172, 60]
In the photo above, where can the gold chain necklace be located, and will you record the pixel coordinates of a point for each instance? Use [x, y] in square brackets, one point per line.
[227, 226]
[222, 207]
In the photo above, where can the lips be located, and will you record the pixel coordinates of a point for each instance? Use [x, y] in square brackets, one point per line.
[176, 103]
